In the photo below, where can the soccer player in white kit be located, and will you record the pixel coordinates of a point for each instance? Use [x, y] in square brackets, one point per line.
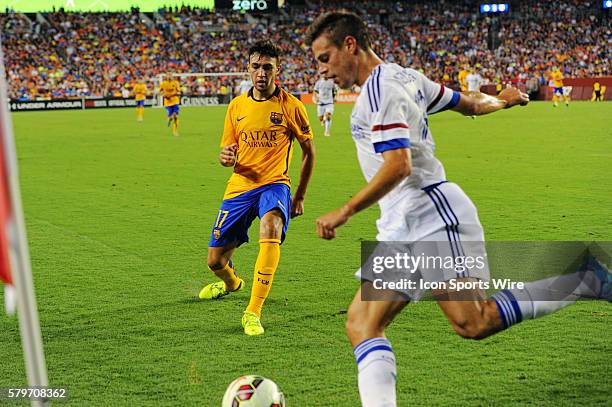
[389, 125]
[244, 86]
[473, 80]
[325, 93]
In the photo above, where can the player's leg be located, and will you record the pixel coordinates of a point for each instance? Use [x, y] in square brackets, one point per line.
[219, 262]
[270, 232]
[169, 119]
[321, 114]
[139, 110]
[555, 98]
[474, 317]
[274, 209]
[365, 329]
[327, 123]
[175, 120]
[229, 231]
[470, 313]
[559, 94]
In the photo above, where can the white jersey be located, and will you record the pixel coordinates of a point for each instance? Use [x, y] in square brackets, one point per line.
[245, 86]
[474, 81]
[326, 90]
[390, 113]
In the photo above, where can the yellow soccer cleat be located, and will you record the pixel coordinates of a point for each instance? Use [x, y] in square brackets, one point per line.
[251, 324]
[217, 290]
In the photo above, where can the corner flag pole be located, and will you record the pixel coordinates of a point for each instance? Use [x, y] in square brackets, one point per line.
[19, 252]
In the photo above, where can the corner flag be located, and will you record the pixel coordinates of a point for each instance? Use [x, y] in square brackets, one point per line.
[5, 221]
[15, 268]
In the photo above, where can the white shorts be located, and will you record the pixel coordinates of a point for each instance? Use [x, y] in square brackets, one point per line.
[327, 108]
[439, 222]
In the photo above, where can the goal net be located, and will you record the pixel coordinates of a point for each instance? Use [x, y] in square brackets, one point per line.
[202, 88]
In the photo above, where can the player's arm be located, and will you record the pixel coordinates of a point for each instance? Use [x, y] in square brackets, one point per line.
[478, 103]
[315, 96]
[397, 165]
[301, 128]
[229, 142]
[308, 159]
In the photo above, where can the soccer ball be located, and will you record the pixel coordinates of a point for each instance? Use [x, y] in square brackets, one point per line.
[253, 391]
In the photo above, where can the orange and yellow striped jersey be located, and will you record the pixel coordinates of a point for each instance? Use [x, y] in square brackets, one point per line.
[140, 90]
[170, 90]
[265, 132]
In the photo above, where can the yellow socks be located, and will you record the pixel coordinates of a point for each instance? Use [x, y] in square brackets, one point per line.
[228, 275]
[175, 125]
[265, 267]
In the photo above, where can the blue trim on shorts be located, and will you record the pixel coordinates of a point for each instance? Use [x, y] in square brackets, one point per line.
[450, 219]
[236, 214]
[140, 103]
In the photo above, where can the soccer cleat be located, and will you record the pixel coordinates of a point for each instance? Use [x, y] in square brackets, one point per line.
[251, 324]
[327, 134]
[604, 275]
[217, 290]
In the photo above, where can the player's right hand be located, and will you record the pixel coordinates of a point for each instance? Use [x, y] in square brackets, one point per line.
[328, 223]
[227, 157]
[513, 97]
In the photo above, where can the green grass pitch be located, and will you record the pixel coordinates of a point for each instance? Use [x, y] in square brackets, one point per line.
[119, 214]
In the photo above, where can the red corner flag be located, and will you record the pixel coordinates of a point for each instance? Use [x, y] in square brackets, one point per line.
[5, 220]
[15, 268]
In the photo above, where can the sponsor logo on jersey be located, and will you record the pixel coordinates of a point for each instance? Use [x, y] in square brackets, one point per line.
[259, 138]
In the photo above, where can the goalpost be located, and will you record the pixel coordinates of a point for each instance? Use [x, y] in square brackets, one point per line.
[202, 88]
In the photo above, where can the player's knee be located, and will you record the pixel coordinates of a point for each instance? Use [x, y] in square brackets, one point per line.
[354, 328]
[215, 261]
[271, 225]
[357, 329]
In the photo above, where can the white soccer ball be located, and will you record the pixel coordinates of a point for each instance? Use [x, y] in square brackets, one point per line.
[253, 391]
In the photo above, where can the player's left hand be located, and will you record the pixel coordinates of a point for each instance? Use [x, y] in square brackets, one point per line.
[327, 224]
[297, 207]
[513, 97]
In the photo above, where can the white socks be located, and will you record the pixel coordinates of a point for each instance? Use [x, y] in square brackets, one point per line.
[546, 296]
[377, 372]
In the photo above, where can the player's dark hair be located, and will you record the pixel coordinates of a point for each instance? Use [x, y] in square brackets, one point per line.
[338, 25]
[266, 48]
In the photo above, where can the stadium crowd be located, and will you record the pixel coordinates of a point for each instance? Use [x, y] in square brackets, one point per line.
[103, 54]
